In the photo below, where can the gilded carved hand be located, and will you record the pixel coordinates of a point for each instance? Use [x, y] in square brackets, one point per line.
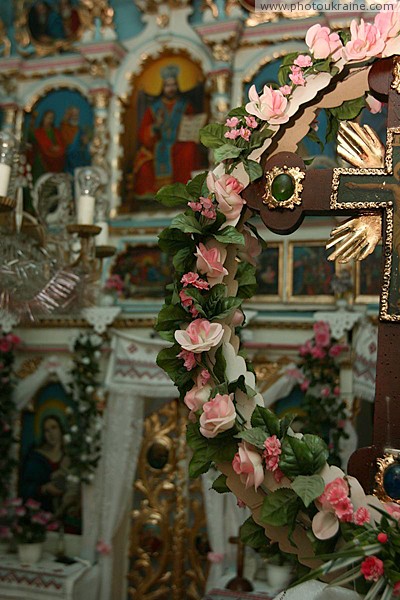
[360, 146]
[356, 238]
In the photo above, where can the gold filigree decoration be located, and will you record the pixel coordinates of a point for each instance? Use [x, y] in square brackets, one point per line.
[396, 75]
[296, 175]
[29, 367]
[384, 463]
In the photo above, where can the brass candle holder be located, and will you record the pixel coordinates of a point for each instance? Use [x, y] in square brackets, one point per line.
[7, 204]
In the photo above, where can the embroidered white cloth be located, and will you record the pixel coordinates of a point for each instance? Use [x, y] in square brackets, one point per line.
[364, 366]
[315, 590]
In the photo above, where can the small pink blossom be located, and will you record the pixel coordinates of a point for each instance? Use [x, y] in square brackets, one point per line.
[306, 348]
[382, 538]
[322, 43]
[373, 105]
[322, 333]
[114, 282]
[396, 589]
[278, 475]
[232, 122]
[185, 299]
[189, 278]
[194, 312]
[205, 376]
[303, 61]
[232, 134]
[286, 90]
[209, 213]
[33, 504]
[344, 510]
[240, 503]
[372, 568]
[272, 452]
[227, 191]
[270, 106]
[53, 526]
[366, 40]
[189, 359]
[103, 548]
[305, 385]
[245, 133]
[200, 336]
[15, 502]
[218, 415]
[296, 76]
[215, 557]
[337, 349]
[195, 206]
[362, 516]
[20, 511]
[325, 391]
[251, 122]
[210, 261]
[247, 463]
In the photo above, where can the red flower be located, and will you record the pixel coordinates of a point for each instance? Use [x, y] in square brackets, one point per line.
[372, 568]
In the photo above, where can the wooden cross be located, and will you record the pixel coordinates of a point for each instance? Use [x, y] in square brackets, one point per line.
[287, 193]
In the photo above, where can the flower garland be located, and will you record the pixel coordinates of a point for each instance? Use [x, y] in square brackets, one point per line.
[8, 344]
[317, 376]
[83, 440]
[264, 462]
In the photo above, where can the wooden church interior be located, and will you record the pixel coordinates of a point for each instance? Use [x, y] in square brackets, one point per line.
[82, 280]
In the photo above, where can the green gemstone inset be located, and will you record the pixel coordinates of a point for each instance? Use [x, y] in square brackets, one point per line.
[282, 187]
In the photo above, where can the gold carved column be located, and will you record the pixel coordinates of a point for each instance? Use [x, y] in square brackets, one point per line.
[99, 146]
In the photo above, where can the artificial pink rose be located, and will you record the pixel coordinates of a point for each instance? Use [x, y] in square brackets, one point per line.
[362, 516]
[388, 22]
[218, 415]
[251, 248]
[200, 336]
[322, 43]
[303, 61]
[372, 568]
[365, 41]
[373, 105]
[210, 261]
[189, 359]
[227, 193]
[198, 395]
[247, 463]
[322, 333]
[296, 76]
[270, 106]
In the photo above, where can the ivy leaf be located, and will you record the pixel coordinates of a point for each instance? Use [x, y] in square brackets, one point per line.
[303, 456]
[173, 195]
[280, 508]
[308, 488]
[266, 420]
[186, 223]
[253, 169]
[219, 485]
[195, 185]
[226, 151]
[225, 307]
[252, 534]
[230, 235]
[212, 135]
[170, 317]
[255, 436]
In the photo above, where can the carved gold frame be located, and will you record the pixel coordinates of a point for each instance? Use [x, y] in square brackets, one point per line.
[383, 463]
[297, 177]
[297, 298]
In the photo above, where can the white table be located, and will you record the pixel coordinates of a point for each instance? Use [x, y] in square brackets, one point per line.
[47, 580]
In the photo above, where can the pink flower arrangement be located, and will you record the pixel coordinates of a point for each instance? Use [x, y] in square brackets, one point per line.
[114, 283]
[247, 463]
[27, 522]
[272, 453]
[322, 333]
[200, 336]
[323, 43]
[270, 106]
[218, 415]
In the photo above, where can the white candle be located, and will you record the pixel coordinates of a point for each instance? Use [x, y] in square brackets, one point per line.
[5, 172]
[85, 210]
[102, 238]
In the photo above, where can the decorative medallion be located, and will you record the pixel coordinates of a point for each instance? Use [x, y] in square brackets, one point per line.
[283, 187]
[388, 477]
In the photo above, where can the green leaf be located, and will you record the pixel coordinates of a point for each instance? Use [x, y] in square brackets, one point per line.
[230, 235]
[195, 185]
[172, 240]
[265, 420]
[308, 488]
[305, 456]
[253, 169]
[206, 451]
[183, 260]
[284, 69]
[225, 307]
[168, 360]
[219, 485]
[246, 278]
[173, 195]
[255, 436]
[226, 151]
[212, 135]
[240, 111]
[170, 317]
[187, 223]
[349, 110]
[252, 534]
[220, 365]
[280, 508]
